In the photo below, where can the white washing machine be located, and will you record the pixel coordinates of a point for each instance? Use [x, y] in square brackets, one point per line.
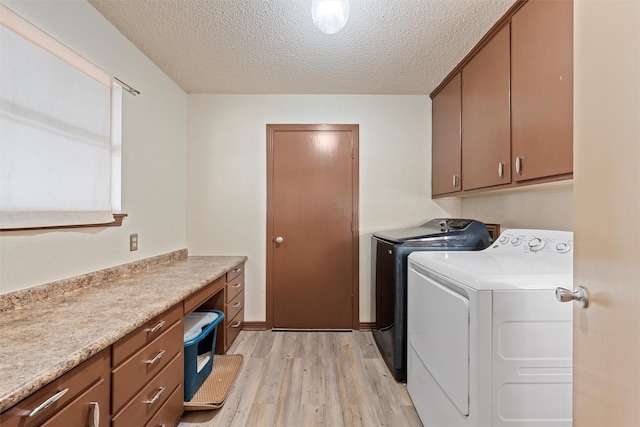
[488, 343]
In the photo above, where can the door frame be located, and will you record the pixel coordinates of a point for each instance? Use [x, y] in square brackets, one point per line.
[355, 234]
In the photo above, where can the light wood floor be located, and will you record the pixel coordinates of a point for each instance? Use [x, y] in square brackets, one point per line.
[307, 379]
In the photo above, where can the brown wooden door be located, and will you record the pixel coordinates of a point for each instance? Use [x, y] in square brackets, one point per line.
[542, 89]
[312, 209]
[445, 146]
[486, 124]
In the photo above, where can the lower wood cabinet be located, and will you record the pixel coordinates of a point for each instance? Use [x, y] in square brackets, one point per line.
[166, 415]
[78, 398]
[227, 295]
[147, 368]
[233, 308]
[139, 380]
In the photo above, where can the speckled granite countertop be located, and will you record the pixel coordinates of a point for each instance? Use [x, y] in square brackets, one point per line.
[45, 339]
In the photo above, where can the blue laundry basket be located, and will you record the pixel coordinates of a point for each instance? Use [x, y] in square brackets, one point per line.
[200, 329]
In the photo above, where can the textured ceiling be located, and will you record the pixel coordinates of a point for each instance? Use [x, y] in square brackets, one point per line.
[272, 46]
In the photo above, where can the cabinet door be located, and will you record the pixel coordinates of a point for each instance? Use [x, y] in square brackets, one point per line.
[486, 144]
[542, 89]
[446, 149]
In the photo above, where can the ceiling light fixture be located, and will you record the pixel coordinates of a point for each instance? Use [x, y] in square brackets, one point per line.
[330, 15]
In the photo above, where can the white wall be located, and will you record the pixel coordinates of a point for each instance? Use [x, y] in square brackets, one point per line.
[226, 178]
[546, 206]
[153, 165]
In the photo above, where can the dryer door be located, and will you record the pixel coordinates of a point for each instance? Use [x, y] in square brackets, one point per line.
[439, 335]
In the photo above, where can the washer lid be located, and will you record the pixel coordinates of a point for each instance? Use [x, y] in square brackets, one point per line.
[435, 227]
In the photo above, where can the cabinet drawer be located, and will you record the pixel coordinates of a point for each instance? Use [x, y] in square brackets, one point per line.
[235, 272]
[147, 402]
[145, 334]
[171, 411]
[197, 299]
[234, 287]
[234, 326]
[234, 307]
[130, 376]
[91, 408]
[75, 382]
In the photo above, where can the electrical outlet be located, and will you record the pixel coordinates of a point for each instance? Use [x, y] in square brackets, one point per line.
[133, 242]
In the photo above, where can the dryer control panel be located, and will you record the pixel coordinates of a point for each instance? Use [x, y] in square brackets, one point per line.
[530, 241]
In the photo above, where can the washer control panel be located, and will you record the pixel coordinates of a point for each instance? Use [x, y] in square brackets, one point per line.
[548, 242]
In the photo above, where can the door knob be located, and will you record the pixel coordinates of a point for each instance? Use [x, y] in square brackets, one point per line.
[579, 295]
[279, 240]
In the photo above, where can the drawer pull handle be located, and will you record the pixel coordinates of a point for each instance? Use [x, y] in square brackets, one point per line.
[155, 398]
[237, 270]
[94, 414]
[157, 327]
[155, 359]
[236, 305]
[235, 325]
[50, 401]
[237, 285]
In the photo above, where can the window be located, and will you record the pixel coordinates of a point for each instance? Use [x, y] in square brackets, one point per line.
[59, 133]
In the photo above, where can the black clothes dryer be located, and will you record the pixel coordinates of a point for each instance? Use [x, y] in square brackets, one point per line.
[389, 251]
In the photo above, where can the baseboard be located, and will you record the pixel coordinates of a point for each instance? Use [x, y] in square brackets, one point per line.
[254, 326]
[262, 326]
[367, 326]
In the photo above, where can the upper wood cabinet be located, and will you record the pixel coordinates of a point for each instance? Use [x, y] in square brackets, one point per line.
[486, 127]
[504, 116]
[542, 89]
[446, 149]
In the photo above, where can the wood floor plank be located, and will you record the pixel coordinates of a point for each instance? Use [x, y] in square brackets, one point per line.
[261, 414]
[238, 405]
[366, 344]
[313, 380]
[308, 379]
[313, 344]
[288, 406]
[313, 415]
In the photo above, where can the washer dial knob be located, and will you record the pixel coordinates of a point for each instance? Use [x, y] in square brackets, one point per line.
[536, 244]
[516, 241]
[563, 248]
[503, 239]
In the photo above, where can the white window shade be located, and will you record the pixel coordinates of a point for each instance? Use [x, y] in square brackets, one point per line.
[55, 134]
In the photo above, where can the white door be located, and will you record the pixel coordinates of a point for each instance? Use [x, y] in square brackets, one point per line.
[606, 378]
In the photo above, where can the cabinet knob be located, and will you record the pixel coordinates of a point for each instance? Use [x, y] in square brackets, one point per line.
[155, 398]
[156, 358]
[50, 401]
[94, 414]
[519, 165]
[157, 327]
